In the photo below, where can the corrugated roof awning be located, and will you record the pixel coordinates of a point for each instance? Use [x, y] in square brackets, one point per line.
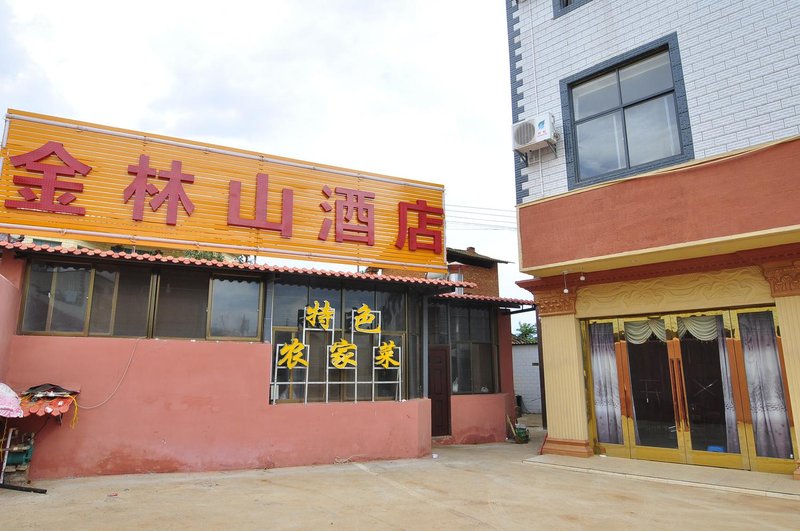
[503, 302]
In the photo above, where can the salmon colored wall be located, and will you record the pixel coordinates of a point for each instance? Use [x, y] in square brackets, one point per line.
[751, 192]
[190, 406]
[478, 418]
[506, 364]
[10, 278]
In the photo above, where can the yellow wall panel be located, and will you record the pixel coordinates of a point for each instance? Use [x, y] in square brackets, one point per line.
[108, 218]
[563, 371]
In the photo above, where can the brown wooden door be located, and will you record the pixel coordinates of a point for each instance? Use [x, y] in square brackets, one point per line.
[439, 390]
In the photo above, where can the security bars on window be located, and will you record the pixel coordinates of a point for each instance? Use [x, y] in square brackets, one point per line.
[292, 359]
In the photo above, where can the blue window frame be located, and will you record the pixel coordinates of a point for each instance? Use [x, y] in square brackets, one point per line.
[562, 7]
[627, 115]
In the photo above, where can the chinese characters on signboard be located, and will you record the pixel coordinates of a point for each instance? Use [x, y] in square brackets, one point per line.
[90, 183]
[293, 365]
[353, 220]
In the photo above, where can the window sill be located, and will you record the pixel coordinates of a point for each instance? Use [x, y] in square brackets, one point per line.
[629, 172]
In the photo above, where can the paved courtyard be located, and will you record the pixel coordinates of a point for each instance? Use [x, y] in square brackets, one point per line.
[485, 486]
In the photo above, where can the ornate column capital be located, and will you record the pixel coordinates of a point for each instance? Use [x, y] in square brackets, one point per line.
[783, 278]
[554, 302]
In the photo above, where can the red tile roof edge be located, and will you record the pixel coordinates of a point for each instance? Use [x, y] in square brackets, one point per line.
[483, 298]
[82, 251]
[516, 340]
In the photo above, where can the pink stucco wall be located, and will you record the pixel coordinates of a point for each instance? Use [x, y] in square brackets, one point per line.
[478, 418]
[195, 405]
[506, 362]
[11, 271]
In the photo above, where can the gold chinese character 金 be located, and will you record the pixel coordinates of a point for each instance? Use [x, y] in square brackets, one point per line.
[385, 355]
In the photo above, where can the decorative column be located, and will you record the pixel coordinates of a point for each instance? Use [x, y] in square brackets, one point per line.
[567, 421]
[784, 282]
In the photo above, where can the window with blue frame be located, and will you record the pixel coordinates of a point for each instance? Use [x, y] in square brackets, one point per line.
[626, 116]
[562, 7]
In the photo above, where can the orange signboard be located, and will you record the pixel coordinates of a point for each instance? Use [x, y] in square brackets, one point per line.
[89, 182]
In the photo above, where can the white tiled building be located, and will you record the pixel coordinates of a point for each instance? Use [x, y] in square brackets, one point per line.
[739, 59]
[659, 217]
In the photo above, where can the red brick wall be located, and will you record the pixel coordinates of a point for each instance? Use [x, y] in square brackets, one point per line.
[484, 277]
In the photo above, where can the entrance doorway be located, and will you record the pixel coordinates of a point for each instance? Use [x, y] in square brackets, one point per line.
[439, 389]
[704, 388]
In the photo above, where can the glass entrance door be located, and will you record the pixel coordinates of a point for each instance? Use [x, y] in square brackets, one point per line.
[701, 388]
[652, 389]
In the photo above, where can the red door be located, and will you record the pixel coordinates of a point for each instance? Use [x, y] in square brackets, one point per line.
[439, 390]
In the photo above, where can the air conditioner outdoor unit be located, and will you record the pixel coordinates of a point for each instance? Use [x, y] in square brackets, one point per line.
[533, 134]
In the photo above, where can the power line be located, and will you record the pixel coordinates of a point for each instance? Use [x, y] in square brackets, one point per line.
[482, 208]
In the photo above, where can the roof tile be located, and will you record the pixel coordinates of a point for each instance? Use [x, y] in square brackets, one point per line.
[122, 256]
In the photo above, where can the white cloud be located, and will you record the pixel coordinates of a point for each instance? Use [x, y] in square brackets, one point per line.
[415, 89]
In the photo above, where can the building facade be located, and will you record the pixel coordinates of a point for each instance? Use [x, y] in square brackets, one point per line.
[658, 218]
[194, 360]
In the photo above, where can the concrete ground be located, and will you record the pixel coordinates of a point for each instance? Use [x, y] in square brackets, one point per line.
[483, 486]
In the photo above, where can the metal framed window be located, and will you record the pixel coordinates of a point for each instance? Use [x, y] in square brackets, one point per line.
[471, 333]
[562, 7]
[181, 304]
[627, 115]
[354, 355]
[79, 299]
[235, 308]
[57, 299]
[121, 297]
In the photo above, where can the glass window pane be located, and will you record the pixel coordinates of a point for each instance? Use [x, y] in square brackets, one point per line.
[182, 302]
[652, 129]
[235, 306]
[37, 297]
[480, 325]
[654, 416]
[437, 324]
[133, 301]
[105, 286]
[461, 368]
[706, 373]
[70, 299]
[482, 368]
[595, 96]
[317, 355]
[414, 308]
[601, 147]
[459, 323]
[289, 303]
[393, 309]
[364, 356]
[651, 76]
